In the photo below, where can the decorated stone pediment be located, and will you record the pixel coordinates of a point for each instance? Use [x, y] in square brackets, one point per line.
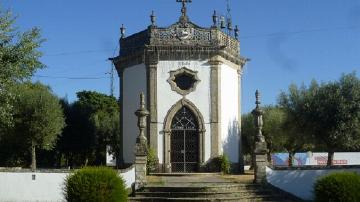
[181, 34]
[180, 38]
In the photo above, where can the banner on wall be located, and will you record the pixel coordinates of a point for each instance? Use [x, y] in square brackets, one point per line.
[316, 158]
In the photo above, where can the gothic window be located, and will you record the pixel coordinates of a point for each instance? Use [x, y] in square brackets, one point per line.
[183, 80]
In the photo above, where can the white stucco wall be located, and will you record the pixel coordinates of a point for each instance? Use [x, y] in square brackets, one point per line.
[230, 111]
[16, 186]
[299, 182]
[19, 186]
[134, 81]
[166, 98]
[128, 175]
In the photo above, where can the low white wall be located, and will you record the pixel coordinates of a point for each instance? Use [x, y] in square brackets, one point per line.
[47, 186]
[128, 176]
[16, 186]
[316, 158]
[300, 182]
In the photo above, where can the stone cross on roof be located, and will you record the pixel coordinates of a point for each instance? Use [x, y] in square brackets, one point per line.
[183, 9]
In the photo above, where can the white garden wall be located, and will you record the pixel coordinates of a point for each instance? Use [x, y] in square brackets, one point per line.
[21, 186]
[300, 182]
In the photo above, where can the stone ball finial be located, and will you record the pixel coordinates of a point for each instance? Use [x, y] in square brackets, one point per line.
[257, 96]
[153, 18]
[122, 31]
[215, 19]
[222, 22]
[229, 26]
[236, 32]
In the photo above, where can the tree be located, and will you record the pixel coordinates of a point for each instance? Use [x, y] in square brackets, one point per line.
[92, 120]
[297, 134]
[328, 113]
[335, 115]
[103, 114]
[38, 117]
[247, 133]
[19, 59]
[273, 118]
[273, 129]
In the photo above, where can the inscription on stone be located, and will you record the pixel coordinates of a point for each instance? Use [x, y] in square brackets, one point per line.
[184, 63]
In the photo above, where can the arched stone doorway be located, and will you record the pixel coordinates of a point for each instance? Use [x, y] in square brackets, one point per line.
[183, 138]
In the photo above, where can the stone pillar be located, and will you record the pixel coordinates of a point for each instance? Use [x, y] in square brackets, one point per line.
[215, 108]
[167, 153]
[151, 71]
[259, 158]
[141, 145]
[241, 156]
[120, 156]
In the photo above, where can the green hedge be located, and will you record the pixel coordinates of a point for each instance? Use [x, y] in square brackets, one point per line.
[339, 187]
[219, 164]
[95, 184]
[152, 161]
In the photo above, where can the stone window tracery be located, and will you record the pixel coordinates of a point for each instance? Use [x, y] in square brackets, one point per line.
[183, 81]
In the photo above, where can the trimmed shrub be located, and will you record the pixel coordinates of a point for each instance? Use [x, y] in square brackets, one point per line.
[95, 184]
[225, 164]
[219, 164]
[339, 187]
[152, 161]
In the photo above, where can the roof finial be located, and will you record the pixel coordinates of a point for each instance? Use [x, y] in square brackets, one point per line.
[228, 17]
[122, 31]
[257, 96]
[236, 32]
[215, 19]
[183, 9]
[153, 18]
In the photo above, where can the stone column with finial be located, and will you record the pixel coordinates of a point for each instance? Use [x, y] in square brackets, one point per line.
[141, 145]
[259, 158]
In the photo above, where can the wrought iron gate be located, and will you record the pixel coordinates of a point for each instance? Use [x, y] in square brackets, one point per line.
[184, 142]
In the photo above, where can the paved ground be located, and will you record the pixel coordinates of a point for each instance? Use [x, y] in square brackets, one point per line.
[209, 179]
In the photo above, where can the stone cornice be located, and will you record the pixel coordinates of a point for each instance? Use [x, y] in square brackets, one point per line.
[218, 60]
[187, 35]
[152, 54]
[180, 41]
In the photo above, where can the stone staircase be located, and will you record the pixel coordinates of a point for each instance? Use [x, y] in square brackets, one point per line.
[209, 187]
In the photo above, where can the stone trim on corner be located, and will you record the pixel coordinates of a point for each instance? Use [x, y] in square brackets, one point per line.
[151, 63]
[215, 106]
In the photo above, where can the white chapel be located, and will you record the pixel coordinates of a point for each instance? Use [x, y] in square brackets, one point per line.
[191, 78]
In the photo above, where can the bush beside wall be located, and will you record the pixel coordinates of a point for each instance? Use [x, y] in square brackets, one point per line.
[219, 164]
[339, 187]
[152, 161]
[97, 184]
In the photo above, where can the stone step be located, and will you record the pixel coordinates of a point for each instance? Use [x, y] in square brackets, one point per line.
[205, 194]
[202, 188]
[222, 199]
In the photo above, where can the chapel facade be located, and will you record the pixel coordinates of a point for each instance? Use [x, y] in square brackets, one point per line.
[191, 78]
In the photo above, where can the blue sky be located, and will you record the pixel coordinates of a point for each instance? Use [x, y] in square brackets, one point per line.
[288, 41]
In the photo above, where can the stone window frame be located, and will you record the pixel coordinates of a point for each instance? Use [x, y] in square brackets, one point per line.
[174, 87]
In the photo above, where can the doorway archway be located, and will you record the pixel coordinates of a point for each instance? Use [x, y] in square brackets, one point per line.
[183, 138]
[184, 142]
